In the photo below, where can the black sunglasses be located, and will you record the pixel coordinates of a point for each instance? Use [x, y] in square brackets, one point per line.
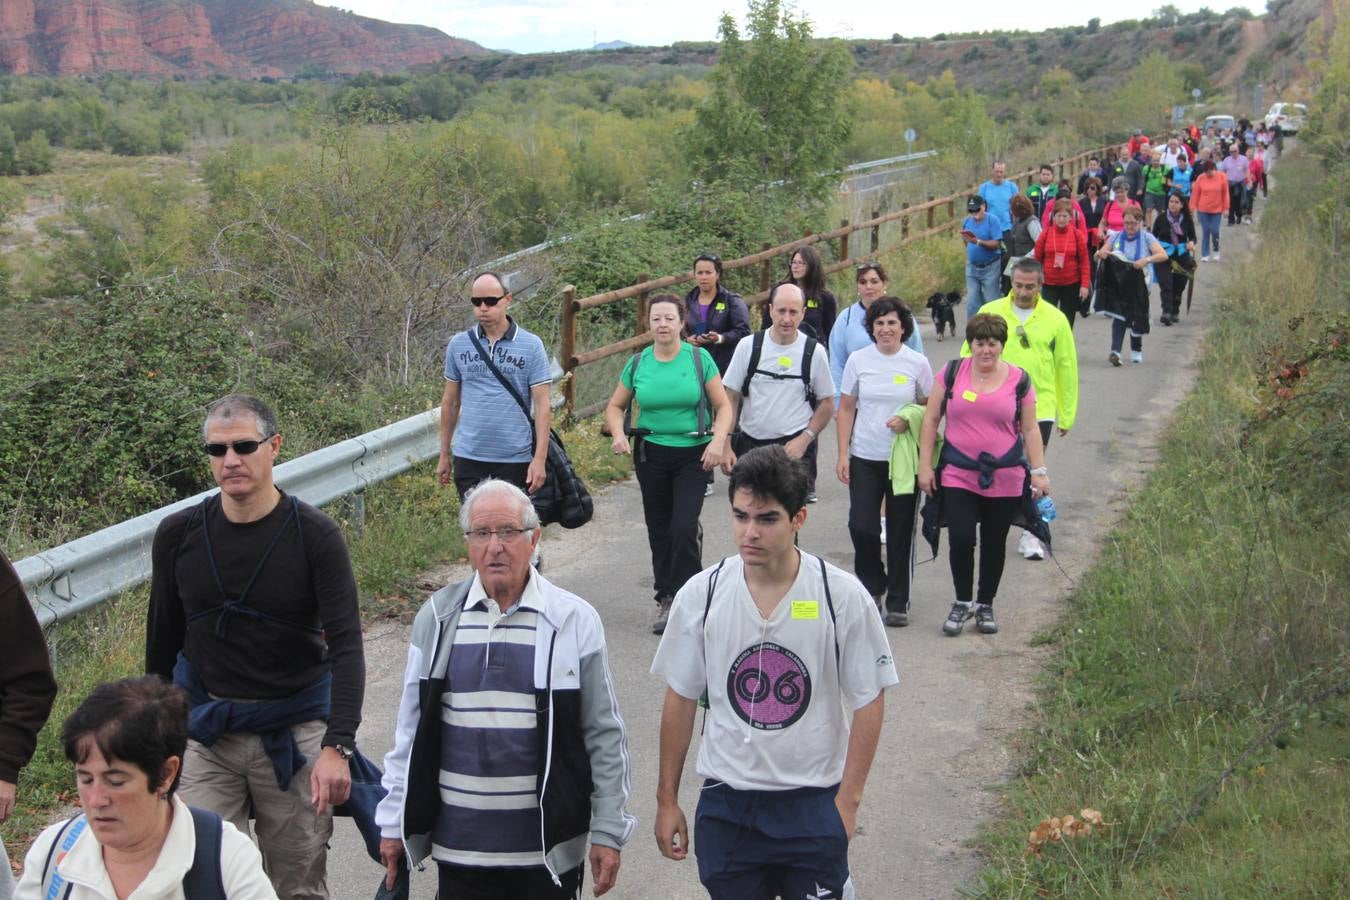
[241, 448]
[1022, 334]
[488, 301]
[708, 257]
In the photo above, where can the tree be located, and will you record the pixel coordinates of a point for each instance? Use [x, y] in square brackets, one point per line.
[780, 108]
[8, 151]
[35, 155]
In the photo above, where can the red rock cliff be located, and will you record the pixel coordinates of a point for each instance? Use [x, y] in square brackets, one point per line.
[197, 38]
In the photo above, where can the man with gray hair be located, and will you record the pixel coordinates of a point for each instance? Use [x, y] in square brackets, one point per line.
[254, 613]
[509, 752]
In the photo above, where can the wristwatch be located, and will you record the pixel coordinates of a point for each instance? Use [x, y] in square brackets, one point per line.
[809, 433]
[343, 750]
[1041, 471]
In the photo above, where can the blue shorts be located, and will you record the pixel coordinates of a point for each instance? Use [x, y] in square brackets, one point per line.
[758, 845]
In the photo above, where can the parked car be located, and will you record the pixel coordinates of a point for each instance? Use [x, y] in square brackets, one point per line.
[1291, 117]
[1219, 123]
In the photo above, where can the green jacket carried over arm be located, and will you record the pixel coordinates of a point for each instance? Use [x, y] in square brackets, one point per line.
[905, 450]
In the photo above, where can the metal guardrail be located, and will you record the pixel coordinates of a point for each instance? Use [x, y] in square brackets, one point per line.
[73, 577]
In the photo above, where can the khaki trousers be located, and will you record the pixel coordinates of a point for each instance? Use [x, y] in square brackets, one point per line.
[234, 779]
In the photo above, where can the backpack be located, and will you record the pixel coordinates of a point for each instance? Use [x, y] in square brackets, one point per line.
[949, 376]
[757, 350]
[203, 880]
[704, 418]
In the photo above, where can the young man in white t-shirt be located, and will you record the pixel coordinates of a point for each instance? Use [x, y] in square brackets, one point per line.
[793, 661]
[780, 403]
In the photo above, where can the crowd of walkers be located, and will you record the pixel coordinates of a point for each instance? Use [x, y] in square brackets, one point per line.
[510, 767]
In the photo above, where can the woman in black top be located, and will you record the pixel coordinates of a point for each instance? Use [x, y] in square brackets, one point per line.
[1175, 230]
[807, 272]
[1093, 205]
[716, 318]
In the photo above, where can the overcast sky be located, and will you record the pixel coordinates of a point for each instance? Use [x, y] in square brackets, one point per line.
[529, 26]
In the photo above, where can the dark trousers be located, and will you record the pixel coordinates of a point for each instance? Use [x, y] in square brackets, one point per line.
[468, 472]
[869, 483]
[994, 515]
[483, 883]
[743, 443]
[1063, 297]
[1237, 201]
[759, 845]
[1119, 328]
[1171, 287]
[672, 480]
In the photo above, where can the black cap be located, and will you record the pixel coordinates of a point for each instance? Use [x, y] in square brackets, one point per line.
[975, 203]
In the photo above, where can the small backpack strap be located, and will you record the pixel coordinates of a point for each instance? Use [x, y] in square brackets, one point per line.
[712, 586]
[204, 880]
[756, 351]
[829, 603]
[808, 354]
[949, 376]
[54, 886]
[632, 376]
[1023, 386]
[701, 408]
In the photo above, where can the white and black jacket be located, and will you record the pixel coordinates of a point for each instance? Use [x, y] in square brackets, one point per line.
[584, 774]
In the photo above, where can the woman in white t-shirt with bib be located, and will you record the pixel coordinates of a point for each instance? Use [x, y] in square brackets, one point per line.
[878, 381]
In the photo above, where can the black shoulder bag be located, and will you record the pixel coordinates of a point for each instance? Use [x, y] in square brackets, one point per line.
[563, 498]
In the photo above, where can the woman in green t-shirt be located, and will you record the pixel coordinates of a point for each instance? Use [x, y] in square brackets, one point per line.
[682, 424]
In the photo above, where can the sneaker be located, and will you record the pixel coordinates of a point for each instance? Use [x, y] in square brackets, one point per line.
[1246, 220]
[1204, 259]
[939, 337]
[895, 619]
[708, 491]
[1030, 546]
[811, 497]
[1166, 320]
[1114, 358]
[1215, 257]
[956, 619]
[984, 619]
[1136, 356]
[663, 605]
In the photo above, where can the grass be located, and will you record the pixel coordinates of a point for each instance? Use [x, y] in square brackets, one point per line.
[1199, 694]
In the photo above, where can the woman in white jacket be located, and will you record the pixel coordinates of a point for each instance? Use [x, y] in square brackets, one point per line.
[134, 839]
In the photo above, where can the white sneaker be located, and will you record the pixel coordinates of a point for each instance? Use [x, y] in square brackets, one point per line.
[1215, 257]
[1136, 356]
[1030, 546]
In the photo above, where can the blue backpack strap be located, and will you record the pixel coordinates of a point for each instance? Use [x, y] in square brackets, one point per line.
[54, 886]
[204, 881]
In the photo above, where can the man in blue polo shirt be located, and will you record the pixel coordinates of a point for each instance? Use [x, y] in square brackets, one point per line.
[982, 231]
[998, 193]
[484, 431]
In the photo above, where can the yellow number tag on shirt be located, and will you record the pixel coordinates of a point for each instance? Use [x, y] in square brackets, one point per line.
[720, 306]
[805, 609]
[811, 304]
[969, 396]
[900, 379]
[785, 362]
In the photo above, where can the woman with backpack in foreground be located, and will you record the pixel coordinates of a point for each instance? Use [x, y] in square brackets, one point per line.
[992, 465]
[134, 837]
[680, 434]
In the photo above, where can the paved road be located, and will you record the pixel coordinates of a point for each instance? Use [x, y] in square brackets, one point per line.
[944, 748]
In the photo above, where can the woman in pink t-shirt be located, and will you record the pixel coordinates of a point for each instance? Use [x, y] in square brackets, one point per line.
[983, 417]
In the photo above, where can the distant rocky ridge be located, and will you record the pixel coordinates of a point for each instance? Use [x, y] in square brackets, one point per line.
[200, 38]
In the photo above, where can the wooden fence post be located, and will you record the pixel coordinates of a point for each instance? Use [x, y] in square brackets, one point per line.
[766, 270]
[642, 308]
[904, 223]
[928, 216]
[568, 342]
[843, 240]
[951, 207]
[876, 234]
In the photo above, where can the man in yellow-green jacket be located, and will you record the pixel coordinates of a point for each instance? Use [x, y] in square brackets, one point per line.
[1040, 342]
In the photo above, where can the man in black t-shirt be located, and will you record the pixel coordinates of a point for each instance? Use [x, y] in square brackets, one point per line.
[254, 612]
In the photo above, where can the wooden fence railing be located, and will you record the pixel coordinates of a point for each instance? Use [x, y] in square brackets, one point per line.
[643, 288]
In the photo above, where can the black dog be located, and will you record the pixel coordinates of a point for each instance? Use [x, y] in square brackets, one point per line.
[943, 306]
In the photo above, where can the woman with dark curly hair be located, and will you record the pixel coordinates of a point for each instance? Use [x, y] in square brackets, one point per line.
[879, 382]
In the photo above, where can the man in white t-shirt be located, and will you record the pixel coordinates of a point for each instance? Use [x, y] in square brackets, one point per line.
[794, 662]
[777, 399]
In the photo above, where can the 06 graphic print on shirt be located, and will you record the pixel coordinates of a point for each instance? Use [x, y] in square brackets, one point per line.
[769, 686]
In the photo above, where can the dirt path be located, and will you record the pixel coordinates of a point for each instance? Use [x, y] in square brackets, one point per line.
[945, 748]
[1254, 36]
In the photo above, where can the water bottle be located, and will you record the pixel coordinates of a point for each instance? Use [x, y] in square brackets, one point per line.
[1046, 507]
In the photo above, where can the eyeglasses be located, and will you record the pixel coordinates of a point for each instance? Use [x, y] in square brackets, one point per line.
[487, 301]
[1022, 336]
[505, 535]
[241, 448]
